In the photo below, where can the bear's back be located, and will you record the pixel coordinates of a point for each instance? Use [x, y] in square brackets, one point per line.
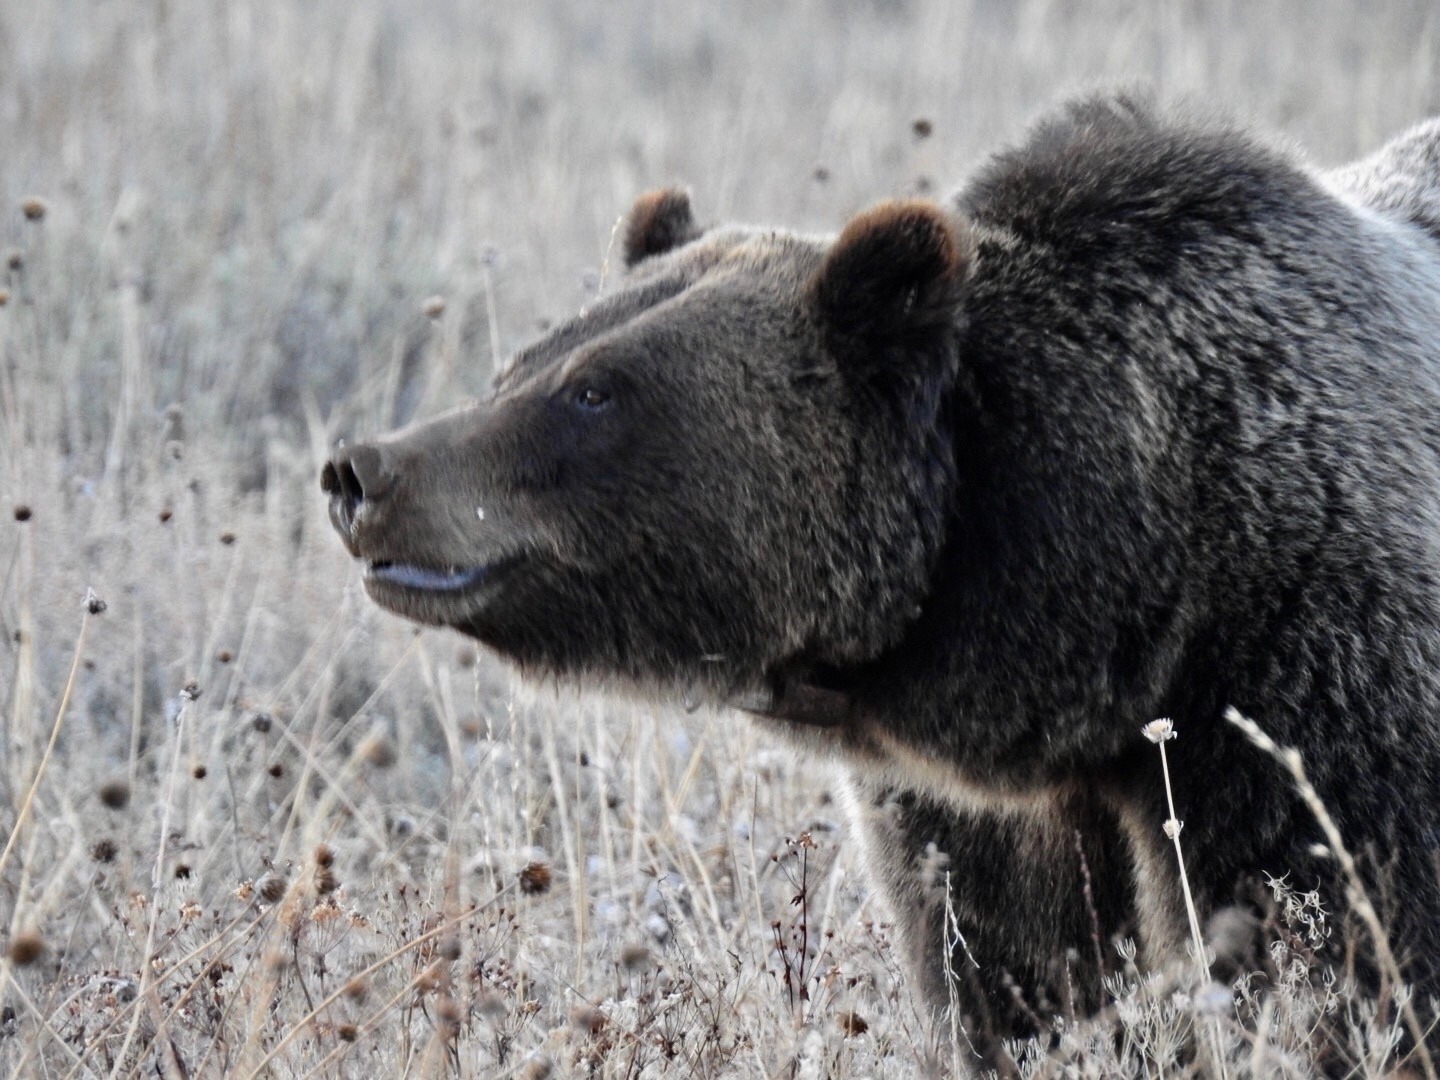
[1190, 349]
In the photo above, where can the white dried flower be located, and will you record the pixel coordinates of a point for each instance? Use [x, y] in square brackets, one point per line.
[1173, 827]
[1158, 731]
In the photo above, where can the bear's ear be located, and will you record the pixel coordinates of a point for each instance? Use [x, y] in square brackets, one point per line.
[660, 221]
[895, 270]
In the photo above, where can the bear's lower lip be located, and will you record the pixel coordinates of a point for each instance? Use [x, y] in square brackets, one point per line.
[424, 579]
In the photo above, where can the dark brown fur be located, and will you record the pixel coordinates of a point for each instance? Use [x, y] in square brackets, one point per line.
[1145, 422]
[660, 220]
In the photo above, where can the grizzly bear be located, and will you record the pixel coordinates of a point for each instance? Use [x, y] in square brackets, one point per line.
[1144, 422]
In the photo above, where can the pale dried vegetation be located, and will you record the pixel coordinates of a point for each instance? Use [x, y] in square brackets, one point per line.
[252, 826]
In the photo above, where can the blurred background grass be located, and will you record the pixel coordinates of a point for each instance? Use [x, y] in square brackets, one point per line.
[235, 216]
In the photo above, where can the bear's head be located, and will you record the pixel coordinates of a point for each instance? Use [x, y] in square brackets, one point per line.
[739, 462]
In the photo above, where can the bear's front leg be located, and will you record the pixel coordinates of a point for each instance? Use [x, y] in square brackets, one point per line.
[1026, 903]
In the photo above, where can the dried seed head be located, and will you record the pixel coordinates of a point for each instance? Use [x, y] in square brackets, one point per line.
[448, 1016]
[260, 722]
[165, 515]
[538, 1067]
[271, 886]
[276, 769]
[104, 850]
[227, 538]
[33, 207]
[224, 656]
[191, 691]
[198, 771]
[26, 947]
[356, 989]
[325, 880]
[536, 879]
[588, 1019]
[93, 604]
[22, 512]
[182, 871]
[378, 751]
[634, 955]
[433, 307]
[324, 855]
[347, 1032]
[922, 128]
[1158, 731]
[115, 794]
[852, 1023]
[14, 260]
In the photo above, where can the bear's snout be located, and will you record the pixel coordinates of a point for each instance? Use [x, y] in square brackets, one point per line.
[356, 476]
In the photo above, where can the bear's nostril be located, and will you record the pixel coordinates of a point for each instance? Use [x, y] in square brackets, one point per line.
[339, 480]
[356, 477]
[348, 485]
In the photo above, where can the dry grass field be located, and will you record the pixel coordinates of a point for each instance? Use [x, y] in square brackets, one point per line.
[252, 826]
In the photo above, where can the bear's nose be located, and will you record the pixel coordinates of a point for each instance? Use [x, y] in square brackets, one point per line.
[355, 475]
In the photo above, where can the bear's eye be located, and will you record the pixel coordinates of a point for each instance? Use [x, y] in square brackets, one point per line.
[588, 397]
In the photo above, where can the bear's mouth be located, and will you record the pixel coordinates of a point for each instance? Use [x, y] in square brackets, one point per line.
[435, 595]
[425, 579]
